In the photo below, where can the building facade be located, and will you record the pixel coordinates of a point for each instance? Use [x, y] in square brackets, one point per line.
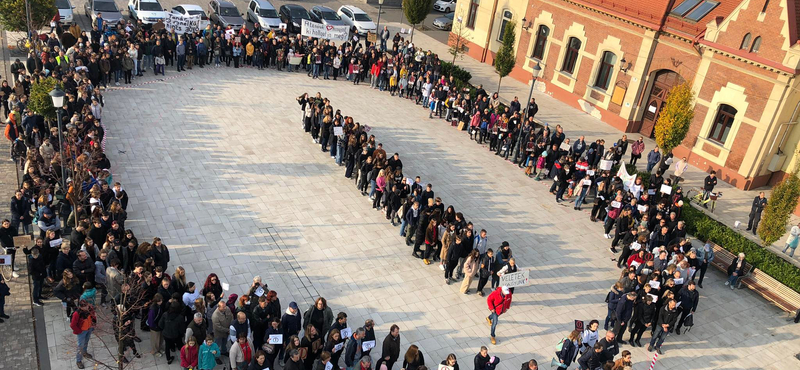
[618, 59]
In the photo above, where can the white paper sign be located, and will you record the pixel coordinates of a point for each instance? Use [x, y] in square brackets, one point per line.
[367, 345]
[444, 367]
[635, 263]
[515, 279]
[275, 339]
[55, 243]
[678, 281]
[282, 26]
[655, 284]
[616, 204]
[587, 182]
[655, 298]
[259, 291]
[338, 347]
[229, 34]
[5, 260]
[564, 146]
[329, 365]
[182, 23]
[641, 208]
[666, 189]
[606, 165]
[321, 31]
[338, 131]
[226, 286]
[346, 332]
[635, 246]
[590, 172]
[651, 191]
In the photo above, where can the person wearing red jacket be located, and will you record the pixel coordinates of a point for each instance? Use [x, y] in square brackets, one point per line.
[499, 302]
[82, 324]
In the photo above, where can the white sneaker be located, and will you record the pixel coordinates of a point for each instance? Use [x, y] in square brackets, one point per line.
[15, 274]
[441, 267]
[606, 236]
[733, 287]
[727, 283]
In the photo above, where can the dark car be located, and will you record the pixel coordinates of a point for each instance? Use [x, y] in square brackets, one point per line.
[326, 16]
[225, 14]
[293, 15]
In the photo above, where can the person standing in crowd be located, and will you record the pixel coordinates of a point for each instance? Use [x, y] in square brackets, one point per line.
[758, 205]
[708, 185]
[391, 347]
[667, 317]
[688, 297]
[413, 359]
[569, 349]
[82, 324]
[353, 348]
[644, 314]
[499, 302]
[653, 158]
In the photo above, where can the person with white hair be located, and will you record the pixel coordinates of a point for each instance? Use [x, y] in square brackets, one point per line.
[735, 271]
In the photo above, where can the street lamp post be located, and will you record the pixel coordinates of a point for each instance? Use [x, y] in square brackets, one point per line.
[535, 73]
[58, 102]
[378, 26]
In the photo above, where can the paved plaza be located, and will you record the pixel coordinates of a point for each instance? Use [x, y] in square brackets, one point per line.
[217, 165]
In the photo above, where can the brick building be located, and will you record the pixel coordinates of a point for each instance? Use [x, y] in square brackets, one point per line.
[617, 59]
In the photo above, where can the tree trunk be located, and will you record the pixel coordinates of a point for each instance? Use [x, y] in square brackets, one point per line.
[413, 26]
[498, 85]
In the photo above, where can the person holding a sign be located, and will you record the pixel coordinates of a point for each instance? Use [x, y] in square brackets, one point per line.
[334, 345]
[450, 363]
[368, 341]
[499, 302]
[350, 360]
[323, 362]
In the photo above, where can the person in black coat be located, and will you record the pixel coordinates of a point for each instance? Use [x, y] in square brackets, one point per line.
[481, 359]
[643, 316]
[569, 349]
[160, 254]
[689, 297]
[173, 327]
[624, 312]
[593, 359]
[21, 212]
[610, 347]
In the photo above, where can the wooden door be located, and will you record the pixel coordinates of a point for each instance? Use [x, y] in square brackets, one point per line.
[664, 81]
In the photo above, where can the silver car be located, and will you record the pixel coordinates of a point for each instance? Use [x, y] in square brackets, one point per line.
[225, 14]
[106, 8]
[326, 16]
[444, 22]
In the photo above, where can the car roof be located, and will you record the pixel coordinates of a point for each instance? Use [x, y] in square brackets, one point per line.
[264, 4]
[354, 9]
[225, 3]
[190, 6]
[148, 1]
[323, 9]
[294, 6]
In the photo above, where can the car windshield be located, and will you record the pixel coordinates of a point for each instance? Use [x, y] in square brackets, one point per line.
[331, 16]
[361, 17]
[228, 11]
[267, 13]
[299, 13]
[450, 15]
[201, 13]
[105, 6]
[150, 7]
[63, 4]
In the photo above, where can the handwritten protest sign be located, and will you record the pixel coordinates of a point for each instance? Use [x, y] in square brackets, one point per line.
[182, 23]
[321, 31]
[515, 279]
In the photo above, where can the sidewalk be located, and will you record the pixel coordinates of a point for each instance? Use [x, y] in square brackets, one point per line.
[733, 206]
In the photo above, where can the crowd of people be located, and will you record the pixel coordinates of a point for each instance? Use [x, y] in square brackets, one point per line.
[196, 324]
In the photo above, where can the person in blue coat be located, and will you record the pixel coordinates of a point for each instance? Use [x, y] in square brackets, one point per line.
[624, 312]
[569, 349]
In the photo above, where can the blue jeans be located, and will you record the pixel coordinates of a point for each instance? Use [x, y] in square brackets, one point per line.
[403, 227]
[147, 62]
[316, 70]
[579, 201]
[732, 279]
[83, 344]
[117, 75]
[181, 61]
[494, 317]
[609, 321]
[372, 186]
[658, 337]
[650, 166]
[327, 71]
[339, 151]
[37, 289]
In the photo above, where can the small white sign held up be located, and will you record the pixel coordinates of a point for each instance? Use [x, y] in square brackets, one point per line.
[515, 279]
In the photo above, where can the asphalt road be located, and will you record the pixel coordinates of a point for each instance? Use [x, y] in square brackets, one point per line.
[387, 14]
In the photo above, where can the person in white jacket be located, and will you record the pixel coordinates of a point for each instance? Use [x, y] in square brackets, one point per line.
[791, 243]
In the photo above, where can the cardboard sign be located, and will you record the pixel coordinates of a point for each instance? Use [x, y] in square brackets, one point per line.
[282, 27]
[666, 189]
[367, 345]
[182, 23]
[23, 241]
[259, 291]
[515, 279]
[606, 165]
[275, 339]
[678, 281]
[55, 243]
[321, 31]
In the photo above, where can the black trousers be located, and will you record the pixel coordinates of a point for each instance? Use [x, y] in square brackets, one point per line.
[684, 312]
[755, 218]
[636, 330]
[171, 345]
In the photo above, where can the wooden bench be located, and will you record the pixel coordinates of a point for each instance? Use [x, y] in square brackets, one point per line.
[767, 287]
[723, 259]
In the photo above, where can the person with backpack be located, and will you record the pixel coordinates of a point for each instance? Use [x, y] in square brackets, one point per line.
[499, 302]
[567, 349]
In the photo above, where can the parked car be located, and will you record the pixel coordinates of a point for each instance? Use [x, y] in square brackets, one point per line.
[445, 6]
[108, 8]
[263, 13]
[147, 11]
[354, 16]
[224, 13]
[293, 15]
[444, 22]
[65, 11]
[191, 9]
[326, 16]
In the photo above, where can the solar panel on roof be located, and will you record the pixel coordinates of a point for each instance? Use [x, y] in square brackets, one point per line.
[702, 10]
[685, 7]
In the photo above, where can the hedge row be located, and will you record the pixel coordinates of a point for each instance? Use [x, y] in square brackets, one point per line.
[703, 227]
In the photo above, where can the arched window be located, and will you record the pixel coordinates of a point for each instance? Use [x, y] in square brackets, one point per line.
[541, 42]
[756, 45]
[605, 70]
[722, 123]
[746, 42]
[507, 16]
[571, 55]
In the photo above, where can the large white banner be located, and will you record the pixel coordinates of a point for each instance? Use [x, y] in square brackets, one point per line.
[321, 31]
[182, 23]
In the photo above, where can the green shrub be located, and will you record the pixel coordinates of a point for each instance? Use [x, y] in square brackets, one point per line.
[457, 72]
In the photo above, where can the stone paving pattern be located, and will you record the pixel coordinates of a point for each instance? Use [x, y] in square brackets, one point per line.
[216, 164]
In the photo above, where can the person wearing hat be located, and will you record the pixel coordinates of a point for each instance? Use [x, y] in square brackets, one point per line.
[291, 321]
[499, 301]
